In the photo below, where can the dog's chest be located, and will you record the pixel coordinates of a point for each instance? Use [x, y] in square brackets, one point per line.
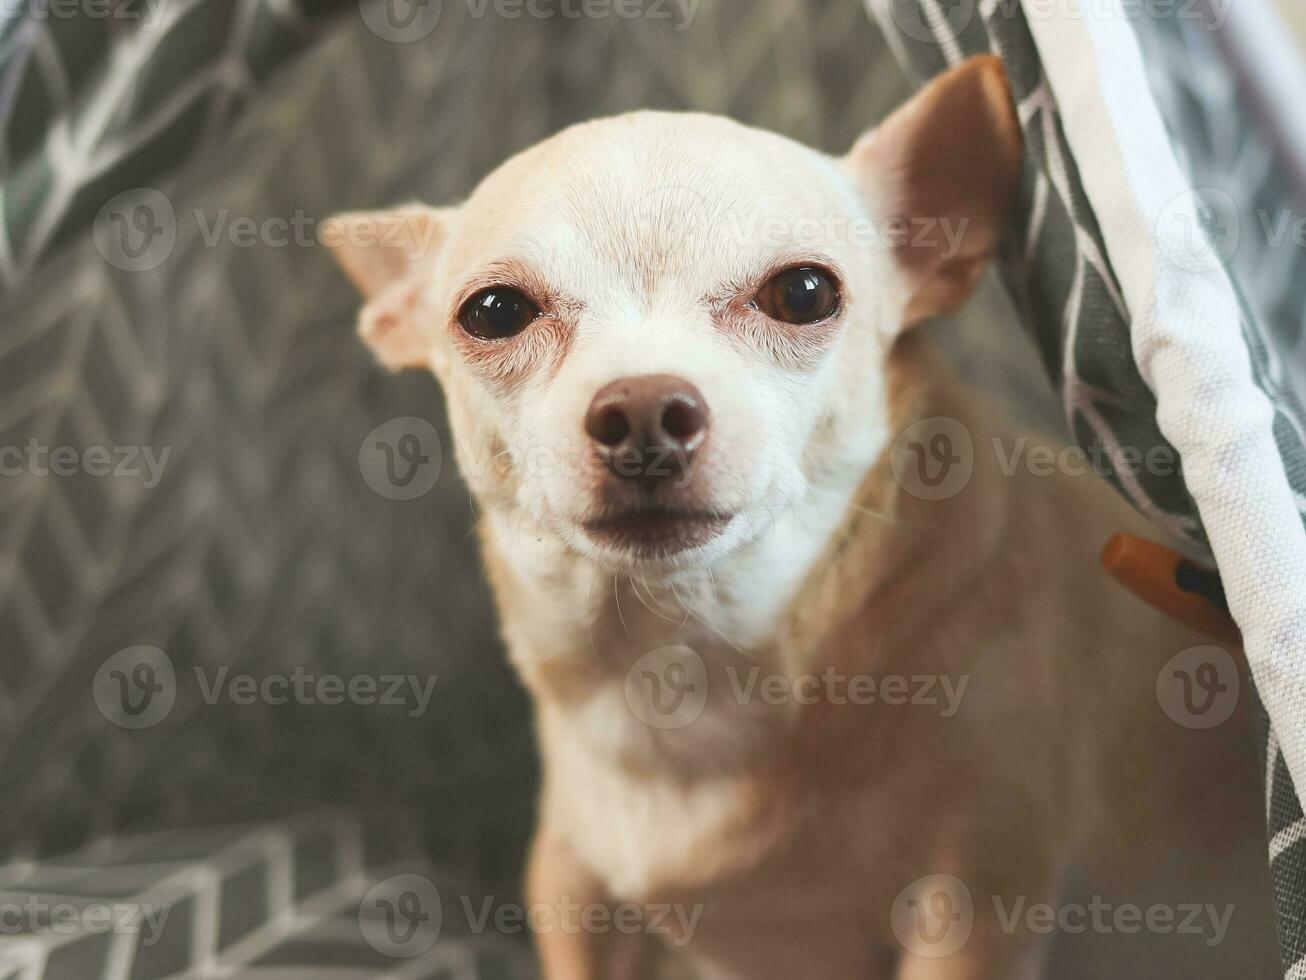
[650, 722]
[643, 832]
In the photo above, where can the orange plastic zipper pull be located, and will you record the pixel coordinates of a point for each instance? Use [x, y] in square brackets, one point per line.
[1170, 582]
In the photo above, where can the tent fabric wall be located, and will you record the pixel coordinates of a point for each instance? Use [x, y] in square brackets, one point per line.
[100, 102]
[1171, 187]
[1238, 143]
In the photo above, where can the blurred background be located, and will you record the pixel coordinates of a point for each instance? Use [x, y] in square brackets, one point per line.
[1294, 15]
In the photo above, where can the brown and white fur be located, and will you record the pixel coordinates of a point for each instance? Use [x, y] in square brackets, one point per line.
[792, 828]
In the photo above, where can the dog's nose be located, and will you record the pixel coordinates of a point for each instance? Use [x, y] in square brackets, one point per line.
[647, 428]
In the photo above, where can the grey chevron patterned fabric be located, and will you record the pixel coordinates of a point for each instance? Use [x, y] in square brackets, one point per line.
[1058, 265]
[96, 98]
[298, 899]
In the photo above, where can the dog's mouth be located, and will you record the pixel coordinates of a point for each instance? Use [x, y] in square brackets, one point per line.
[656, 532]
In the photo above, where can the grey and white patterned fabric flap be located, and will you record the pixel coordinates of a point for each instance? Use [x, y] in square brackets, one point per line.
[1255, 210]
[323, 895]
[1077, 314]
[1055, 262]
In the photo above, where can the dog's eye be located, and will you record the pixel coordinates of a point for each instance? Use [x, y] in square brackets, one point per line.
[496, 313]
[800, 295]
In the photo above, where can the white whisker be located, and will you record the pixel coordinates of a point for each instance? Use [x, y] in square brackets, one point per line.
[616, 597]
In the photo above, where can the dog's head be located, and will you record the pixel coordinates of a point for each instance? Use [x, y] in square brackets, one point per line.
[655, 332]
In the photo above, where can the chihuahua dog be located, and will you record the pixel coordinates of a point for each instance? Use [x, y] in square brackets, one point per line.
[677, 353]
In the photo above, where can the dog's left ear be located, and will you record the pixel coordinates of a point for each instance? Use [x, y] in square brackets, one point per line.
[387, 254]
[943, 167]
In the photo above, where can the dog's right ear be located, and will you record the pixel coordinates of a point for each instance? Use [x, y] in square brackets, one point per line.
[387, 254]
